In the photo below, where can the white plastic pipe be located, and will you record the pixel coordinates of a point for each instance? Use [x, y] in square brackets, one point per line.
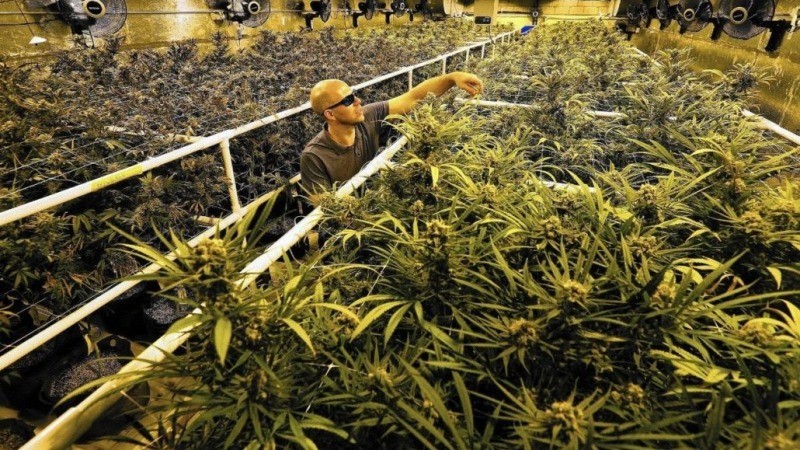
[106, 297]
[493, 104]
[75, 421]
[496, 104]
[72, 193]
[70, 425]
[774, 127]
[605, 114]
[225, 146]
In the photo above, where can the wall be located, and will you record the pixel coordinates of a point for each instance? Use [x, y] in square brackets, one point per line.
[154, 23]
[574, 7]
[779, 102]
[158, 26]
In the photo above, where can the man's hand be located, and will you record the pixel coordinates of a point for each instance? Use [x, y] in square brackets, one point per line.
[468, 82]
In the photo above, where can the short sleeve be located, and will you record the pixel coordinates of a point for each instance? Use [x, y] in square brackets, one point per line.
[313, 174]
[374, 115]
[376, 112]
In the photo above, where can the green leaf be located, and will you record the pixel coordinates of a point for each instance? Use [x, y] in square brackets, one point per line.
[187, 323]
[466, 404]
[776, 274]
[425, 424]
[715, 375]
[391, 325]
[301, 333]
[234, 433]
[152, 255]
[222, 337]
[373, 315]
[789, 404]
[440, 335]
[430, 394]
[342, 309]
[291, 286]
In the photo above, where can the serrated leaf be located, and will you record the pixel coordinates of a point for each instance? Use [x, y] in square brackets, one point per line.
[301, 333]
[342, 309]
[187, 323]
[223, 331]
[373, 315]
[391, 325]
[715, 375]
[466, 404]
[291, 286]
[776, 274]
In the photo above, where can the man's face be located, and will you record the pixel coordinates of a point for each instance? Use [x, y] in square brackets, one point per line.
[346, 108]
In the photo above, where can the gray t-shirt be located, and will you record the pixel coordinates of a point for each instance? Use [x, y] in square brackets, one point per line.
[324, 162]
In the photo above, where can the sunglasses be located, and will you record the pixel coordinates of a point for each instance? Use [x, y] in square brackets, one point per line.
[347, 101]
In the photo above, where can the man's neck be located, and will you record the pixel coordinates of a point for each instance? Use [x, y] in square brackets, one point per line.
[344, 135]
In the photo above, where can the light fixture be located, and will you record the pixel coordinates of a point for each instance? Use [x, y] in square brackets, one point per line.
[36, 40]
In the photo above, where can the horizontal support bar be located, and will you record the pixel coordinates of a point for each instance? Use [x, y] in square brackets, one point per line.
[106, 297]
[75, 421]
[72, 193]
[774, 127]
[496, 104]
[103, 182]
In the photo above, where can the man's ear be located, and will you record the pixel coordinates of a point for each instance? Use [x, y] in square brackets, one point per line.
[328, 114]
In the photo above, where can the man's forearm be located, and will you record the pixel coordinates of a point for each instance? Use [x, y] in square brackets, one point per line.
[436, 85]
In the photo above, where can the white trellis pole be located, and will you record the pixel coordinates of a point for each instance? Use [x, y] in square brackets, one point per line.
[225, 146]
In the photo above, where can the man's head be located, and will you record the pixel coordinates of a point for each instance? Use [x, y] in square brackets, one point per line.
[332, 100]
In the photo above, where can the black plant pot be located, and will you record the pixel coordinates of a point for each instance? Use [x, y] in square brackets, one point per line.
[21, 381]
[27, 376]
[110, 355]
[159, 313]
[124, 314]
[14, 433]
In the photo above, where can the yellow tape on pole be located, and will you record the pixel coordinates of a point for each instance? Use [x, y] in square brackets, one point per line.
[116, 177]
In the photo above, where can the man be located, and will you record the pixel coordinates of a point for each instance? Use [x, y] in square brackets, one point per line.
[350, 135]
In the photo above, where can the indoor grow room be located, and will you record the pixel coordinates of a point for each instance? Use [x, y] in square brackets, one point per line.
[600, 250]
